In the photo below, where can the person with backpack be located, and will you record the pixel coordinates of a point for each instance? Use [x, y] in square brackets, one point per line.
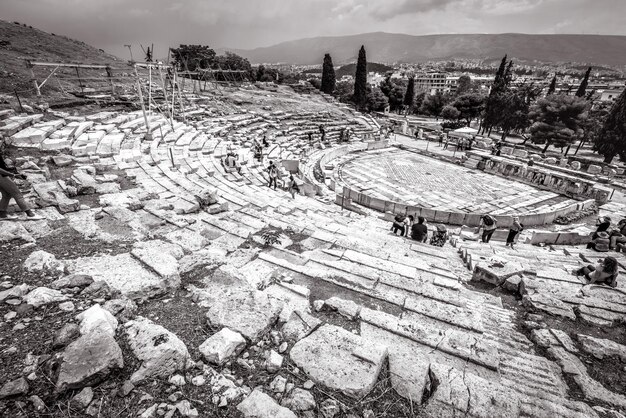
[9, 190]
[273, 173]
[515, 229]
[400, 224]
[489, 224]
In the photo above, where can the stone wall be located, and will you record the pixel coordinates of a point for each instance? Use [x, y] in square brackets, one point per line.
[556, 181]
[459, 218]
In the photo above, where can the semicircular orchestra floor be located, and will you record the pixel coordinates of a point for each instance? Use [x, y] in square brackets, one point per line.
[417, 180]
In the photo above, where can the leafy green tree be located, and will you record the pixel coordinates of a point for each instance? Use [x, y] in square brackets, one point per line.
[470, 106]
[328, 75]
[419, 100]
[409, 95]
[360, 80]
[552, 87]
[193, 57]
[344, 91]
[375, 99]
[464, 85]
[394, 92]
[450, 113]
[611, 140]
[260, 71]
[557, 120]
[515, 105]
[434, 104]
[582, 89]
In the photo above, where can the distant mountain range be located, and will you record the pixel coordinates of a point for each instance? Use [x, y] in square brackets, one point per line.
[389, 48]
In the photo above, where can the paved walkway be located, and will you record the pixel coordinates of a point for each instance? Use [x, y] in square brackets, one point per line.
[403, 176]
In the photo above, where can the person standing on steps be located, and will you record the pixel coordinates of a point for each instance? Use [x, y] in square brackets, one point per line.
[9, 190]
[488, 224]
[273, 174]
[515, 229]
[293, 186]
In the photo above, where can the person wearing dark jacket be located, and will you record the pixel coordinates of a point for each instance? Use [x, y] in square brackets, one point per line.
[9, 191]
[419, 231]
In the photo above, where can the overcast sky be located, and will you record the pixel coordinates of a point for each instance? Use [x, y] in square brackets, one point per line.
[109, 24]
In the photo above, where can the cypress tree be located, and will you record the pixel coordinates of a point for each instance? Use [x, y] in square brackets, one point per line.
[500, 72]
[328, 75]
[499, 85]
[508, 76]
[552, 87]
[582, 89]
[611, 140]
[409, 96]
[360, 80]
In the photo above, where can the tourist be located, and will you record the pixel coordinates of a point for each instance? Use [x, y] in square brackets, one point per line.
[232, 163]
[408, 224]
[273, 173]
[440, 236]
[488, 224]
[419, 231]
[440, 138]
[618, 236]
[603, 223]
[600, 243]
[265, 143]
[9, 190]
[293, 186]
[515, 229]
[445, 146]
[605, 272]
[399, 224]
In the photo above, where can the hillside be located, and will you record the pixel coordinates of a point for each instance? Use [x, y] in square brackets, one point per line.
[350, 69]
[19, 42]
[388, 47]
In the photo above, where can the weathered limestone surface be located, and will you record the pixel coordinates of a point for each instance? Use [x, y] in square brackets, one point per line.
[116, 270]
[260, 405]
[161, 352]
[249, 312]
[459, 394]
[340, 360]
[221, 346]
[88, 361]
[601, 348]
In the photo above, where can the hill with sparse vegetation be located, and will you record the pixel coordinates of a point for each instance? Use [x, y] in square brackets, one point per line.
[19, 42]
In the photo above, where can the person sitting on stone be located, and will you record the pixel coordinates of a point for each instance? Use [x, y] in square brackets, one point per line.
[419, 231]
[440, 236]
[600, 242]
[603, 223]
[9, 190]
[265, 143]
[605, 272]
[399, 224]
[618, 235]
[231, 162]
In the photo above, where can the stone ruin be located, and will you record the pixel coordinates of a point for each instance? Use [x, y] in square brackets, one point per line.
[187, 290]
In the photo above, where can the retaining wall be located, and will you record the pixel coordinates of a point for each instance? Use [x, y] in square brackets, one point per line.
[458, 218]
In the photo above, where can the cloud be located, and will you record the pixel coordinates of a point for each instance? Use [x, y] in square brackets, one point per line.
[252, 23]
[389, 9]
